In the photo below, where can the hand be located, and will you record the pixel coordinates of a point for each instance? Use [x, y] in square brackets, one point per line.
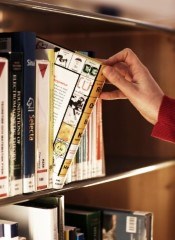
[134, 82]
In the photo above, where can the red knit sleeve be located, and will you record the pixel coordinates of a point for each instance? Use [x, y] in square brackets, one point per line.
[165, 127]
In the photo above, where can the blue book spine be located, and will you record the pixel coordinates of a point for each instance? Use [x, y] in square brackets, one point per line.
[25, 42]
[15, 60]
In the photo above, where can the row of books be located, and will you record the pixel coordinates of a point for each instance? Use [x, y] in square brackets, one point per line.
[89, 161]
[47, 95]
[50, 219]
[109, 224]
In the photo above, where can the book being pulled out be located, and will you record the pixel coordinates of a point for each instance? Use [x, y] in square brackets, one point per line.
[78, 81]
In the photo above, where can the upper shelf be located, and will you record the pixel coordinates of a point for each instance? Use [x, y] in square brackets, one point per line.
[16, 15]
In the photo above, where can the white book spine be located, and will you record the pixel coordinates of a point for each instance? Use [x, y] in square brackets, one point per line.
[42, 123]
[4, 132]
[10, 230]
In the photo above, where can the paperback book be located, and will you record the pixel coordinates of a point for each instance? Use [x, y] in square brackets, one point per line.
[77, 85]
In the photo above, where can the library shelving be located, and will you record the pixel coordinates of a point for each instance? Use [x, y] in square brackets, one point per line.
[135, 162]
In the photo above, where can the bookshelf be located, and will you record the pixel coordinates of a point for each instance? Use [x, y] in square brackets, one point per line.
[129, 149]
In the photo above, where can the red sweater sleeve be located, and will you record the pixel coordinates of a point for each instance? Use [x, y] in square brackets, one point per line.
[165, 127]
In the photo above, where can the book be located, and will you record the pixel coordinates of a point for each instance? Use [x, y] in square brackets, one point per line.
[25, 42]
[38, 219]
[10, 229]
[100, 154]
[49, 55]
[15, 80]
[70, 232]
[42, 123]
[126, 225]
[4, 127]
[89, 222]
[77, 85]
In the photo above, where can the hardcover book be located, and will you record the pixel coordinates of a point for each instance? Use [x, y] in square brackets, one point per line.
[15, 80]
[25, 42]
[4, 129]
[77, 85]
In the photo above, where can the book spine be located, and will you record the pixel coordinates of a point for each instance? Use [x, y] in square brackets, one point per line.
[42, 123]
[4, 122]
[100, 161]
[94, 141]
[49, 55]
[15, 108]
[88, 88]
[25, 42]
[29, 112]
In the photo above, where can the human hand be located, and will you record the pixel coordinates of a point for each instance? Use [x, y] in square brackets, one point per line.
[134, 82]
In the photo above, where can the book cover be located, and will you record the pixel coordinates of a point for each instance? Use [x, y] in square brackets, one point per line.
[126, 225]
[4, 126]
[42, 123]
[15, 80]
[49, 55]
[25, 42]
[77, 85]
[89, 222]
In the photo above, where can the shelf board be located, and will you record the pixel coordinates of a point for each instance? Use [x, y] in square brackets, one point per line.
[65, 20]
[86, 183]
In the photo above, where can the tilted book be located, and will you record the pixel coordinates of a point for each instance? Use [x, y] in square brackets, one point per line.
[77, 85]
[4, 133]
[15, 80]
[25, 42]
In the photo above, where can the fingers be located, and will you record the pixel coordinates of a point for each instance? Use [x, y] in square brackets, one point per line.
[127, 56]
[117, 94]
[117, 80]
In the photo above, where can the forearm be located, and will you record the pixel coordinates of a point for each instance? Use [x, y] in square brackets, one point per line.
[165, 127]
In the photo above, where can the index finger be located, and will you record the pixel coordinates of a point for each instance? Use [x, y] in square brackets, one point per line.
[127, 56]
